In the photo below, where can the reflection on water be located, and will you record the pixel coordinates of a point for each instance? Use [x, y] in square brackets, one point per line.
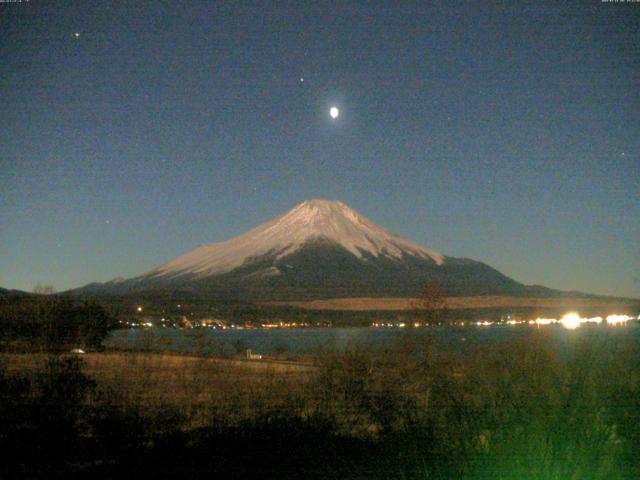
[310, 341]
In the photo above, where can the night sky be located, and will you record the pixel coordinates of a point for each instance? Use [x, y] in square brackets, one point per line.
[135, 131]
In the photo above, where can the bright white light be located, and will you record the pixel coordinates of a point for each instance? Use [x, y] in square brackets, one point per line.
[571, 321]
[334, 112]
[615, 319]
[545, 321]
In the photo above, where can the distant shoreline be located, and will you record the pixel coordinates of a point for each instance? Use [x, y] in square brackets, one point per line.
[492, 301]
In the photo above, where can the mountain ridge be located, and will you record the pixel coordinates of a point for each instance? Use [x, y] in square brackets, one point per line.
[319, 249]
[287, 233]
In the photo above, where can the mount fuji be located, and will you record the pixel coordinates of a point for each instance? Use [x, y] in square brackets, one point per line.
[319, 249]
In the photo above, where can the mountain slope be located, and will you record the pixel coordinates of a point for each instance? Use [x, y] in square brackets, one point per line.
[334, 222]
[319, 249]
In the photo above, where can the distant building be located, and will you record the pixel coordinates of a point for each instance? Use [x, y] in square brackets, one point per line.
[184, 322]
[253, 356]
[211, 323]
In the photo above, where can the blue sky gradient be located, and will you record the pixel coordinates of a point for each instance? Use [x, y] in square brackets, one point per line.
[508, 132]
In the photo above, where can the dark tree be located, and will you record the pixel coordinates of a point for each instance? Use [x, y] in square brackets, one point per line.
[431, 306]
[53, 322]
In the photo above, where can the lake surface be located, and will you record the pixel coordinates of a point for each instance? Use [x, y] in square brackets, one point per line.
[310, 341]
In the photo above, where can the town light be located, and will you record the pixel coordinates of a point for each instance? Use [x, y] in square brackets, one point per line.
[571, 321]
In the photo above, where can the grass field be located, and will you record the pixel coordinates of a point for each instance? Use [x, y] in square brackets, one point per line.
[520, 409]
[201, 389]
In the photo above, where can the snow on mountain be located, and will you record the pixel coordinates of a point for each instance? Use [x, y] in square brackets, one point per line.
[311, 220]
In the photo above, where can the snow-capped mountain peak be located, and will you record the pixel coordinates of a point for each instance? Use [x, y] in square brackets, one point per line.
[316, 219]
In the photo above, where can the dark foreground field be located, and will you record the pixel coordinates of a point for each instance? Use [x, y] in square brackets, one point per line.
[523, 409]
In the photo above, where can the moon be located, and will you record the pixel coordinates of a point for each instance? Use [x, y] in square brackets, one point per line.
[334, 112]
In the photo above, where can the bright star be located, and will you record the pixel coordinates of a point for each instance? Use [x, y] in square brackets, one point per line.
[334, 112]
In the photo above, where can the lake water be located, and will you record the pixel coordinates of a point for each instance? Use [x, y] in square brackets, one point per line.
[309, 341]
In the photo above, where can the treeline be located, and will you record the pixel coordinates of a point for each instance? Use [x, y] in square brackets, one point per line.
[53, 323]
[159, 304]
